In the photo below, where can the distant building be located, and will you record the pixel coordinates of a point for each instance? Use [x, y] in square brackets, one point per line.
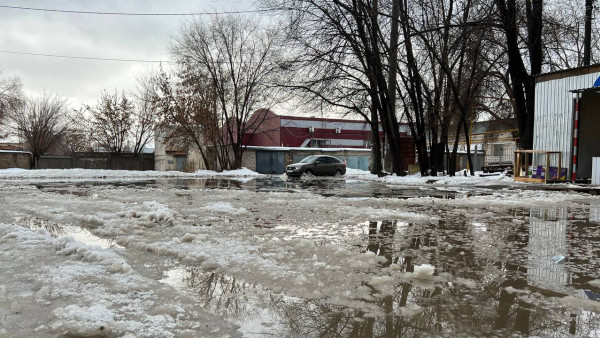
[12, 146]
[15, 159]
[274, 130]
[272, 141]
[170, 155]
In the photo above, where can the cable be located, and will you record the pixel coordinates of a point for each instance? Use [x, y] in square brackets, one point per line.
[84, 57]
[138, 14]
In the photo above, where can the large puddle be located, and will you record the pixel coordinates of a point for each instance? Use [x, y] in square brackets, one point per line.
[328, 187]
[539, 277]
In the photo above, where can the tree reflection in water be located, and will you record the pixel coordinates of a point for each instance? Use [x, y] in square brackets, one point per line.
[223, 294]
[495, 295]
[493, 282]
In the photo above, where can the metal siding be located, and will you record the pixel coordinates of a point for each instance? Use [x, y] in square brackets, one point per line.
[596, 170]
[363, 163]
[554, 115]
[270, 162]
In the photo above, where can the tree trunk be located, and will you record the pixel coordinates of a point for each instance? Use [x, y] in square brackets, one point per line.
[468, 143]
[393, 69]
[452, 162]
[523, 84]
[587, 39]
[375, 165]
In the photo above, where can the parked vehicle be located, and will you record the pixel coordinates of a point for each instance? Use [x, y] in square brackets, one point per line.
[317, 165]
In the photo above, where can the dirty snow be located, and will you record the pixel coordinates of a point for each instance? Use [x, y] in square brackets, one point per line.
[161, 260]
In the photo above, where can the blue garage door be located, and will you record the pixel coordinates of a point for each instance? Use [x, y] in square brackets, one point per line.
[358, 162]
[270, 162]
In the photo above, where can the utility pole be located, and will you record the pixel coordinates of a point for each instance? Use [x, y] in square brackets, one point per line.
[587, 38]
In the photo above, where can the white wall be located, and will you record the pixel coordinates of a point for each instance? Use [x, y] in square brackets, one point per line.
[554, 114]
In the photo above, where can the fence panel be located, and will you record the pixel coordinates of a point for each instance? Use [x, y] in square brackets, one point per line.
[98, 161]
[55, 162]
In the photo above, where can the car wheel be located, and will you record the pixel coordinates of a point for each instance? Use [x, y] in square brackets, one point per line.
[308, 172]
[338, 172]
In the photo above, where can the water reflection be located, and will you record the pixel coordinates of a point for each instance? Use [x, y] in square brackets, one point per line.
[324, 186]
[60, 230]
[493, 277]
[247, 304]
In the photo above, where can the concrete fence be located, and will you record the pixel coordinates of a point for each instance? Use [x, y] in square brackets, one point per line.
[109, 161]
[15, 159]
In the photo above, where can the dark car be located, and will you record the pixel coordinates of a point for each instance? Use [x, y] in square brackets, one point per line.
[317, 165]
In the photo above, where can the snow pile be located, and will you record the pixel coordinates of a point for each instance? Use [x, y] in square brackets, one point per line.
[92, 321]
[68, 246]
[424, 271]
[152, 212]
[117, 174]
[244, 172]
[360, 174]
[418, 180]
[10, 233]
[86, 174]
[386, 214]
[224, 207]
[511, 290]
[76, 292]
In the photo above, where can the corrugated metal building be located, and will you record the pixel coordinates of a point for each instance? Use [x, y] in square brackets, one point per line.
[558, 96]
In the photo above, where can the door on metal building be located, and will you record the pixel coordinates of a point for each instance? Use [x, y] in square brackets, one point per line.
[270, 162]
[180, 163]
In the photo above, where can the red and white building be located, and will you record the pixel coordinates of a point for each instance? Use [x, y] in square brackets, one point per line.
[273, 141]
[274, 130]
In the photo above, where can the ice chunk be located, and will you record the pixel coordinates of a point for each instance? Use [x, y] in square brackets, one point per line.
[558, 259]
[224, 207]
[423, 271]
[510, 290]
[188, 238]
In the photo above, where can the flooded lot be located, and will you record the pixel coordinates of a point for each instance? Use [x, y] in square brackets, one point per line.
[272, 257]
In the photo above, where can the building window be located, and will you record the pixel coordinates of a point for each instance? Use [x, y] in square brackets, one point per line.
[319, 143]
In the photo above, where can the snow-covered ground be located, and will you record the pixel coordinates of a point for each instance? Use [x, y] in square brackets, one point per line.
[85, 255]
[17, 173]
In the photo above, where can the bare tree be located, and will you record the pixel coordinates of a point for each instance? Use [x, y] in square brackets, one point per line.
[75, 140]
[587, 40]
[344, 52]
[187, 114]
[455, 39]
[145, 114]
[40, 121]
[109, 122]
[522, 76]
[239, 59]
[10, 97]
[570, 39]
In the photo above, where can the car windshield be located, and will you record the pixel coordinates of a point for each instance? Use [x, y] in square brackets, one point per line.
[309, 159]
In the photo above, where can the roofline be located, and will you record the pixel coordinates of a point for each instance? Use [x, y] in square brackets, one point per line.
[586, 90]
[304, 118]
[273, 148]
[560, 74]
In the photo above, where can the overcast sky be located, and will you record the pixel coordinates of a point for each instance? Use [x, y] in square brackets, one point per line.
[102, 36]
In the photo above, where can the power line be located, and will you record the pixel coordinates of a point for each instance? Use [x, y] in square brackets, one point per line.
[83, 57]
[138, 14]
